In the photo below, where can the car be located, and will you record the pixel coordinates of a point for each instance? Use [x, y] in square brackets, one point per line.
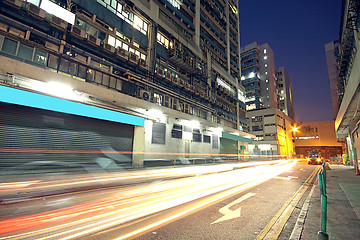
[315, 158]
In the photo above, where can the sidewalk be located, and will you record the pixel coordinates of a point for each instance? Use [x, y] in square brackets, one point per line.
[343, 206]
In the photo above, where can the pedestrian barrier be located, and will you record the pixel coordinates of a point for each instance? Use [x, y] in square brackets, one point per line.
[322, 235]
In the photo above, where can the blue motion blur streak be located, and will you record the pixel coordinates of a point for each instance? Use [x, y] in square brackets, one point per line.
[30, 99]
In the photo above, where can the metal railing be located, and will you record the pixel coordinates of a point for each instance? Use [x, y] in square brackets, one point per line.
[322, 235]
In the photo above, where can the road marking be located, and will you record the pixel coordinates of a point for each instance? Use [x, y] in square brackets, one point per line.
[276, 224]
[231, 214]
[300, 222]
[292, 177]
[283, 178]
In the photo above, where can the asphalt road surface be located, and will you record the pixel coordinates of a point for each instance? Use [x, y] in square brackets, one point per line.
[241, 201]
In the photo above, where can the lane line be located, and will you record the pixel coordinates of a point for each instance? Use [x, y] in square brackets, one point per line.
[270, 225]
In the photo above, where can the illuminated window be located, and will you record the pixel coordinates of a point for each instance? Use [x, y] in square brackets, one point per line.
[125, 46]
[265, 57]
[118, 9]
[140, 25]
[265, 51]
[267, 80]
[111, 41]
[174, 3]
[250, 107]
[161, 39]
[266, 65]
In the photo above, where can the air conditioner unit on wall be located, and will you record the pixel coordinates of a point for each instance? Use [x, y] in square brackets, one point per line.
[142, 63]
[58, 22]
[77, 32]
[14, 3]
[133, 58]
[109, 48]
[35, 11]
[168, 76]
[93, 40]
[145, 95]
[160, 72]
[122, 53]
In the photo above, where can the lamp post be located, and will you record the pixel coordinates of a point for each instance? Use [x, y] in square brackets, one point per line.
[294, 131]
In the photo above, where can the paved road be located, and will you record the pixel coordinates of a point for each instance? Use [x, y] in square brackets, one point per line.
[243, 203]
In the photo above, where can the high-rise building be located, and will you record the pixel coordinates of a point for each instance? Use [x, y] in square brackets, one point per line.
[348, 116]
[121, 76]
[332, 60]
[284, 91]
[258, 76]
[269, 101]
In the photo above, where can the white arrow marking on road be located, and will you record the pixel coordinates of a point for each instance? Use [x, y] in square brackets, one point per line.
[230, 214]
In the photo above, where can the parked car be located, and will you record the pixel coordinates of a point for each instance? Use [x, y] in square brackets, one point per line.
[315, 158]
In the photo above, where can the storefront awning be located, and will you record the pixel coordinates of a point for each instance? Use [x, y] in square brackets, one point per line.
[235, 137]
[35, 100]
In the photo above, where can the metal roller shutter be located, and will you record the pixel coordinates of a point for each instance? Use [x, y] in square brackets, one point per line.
[44, 140]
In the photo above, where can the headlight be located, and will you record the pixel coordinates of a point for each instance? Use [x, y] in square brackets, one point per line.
[319, 159]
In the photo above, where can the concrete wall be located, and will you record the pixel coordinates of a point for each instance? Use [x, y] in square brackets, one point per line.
[174, 145]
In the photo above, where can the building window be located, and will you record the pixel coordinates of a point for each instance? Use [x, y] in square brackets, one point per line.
[140, 25]
[257, 128]
[25, 52]
[158, 133]
[118, 9]
[206, 139]
[162, 40]
[9, 46]
[176, 134]
[196, 137]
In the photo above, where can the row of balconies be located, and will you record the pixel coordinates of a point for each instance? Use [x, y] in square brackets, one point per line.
[222, 102]
[120, 53]
[224, 90]
[179, 82]
[38, 13]
[215, 11]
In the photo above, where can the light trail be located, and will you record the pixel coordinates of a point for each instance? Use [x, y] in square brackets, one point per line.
[139, 201]
[121, 177]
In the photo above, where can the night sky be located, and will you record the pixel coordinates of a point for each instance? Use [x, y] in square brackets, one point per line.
[297, 32]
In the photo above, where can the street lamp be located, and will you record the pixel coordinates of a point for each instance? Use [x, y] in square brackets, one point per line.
[294, 130]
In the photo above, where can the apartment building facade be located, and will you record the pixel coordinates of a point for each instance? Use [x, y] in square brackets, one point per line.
[136, 76]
